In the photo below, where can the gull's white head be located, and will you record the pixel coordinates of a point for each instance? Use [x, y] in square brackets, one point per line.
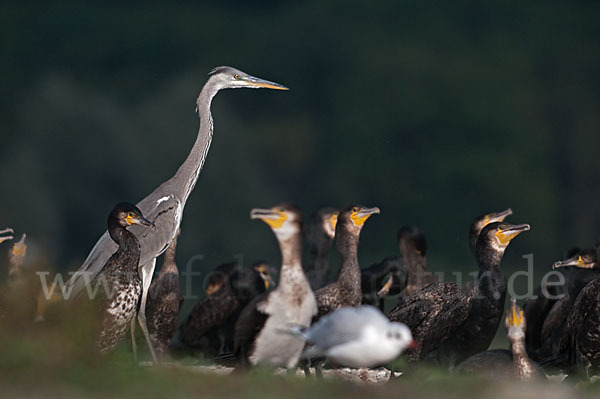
[399, 336]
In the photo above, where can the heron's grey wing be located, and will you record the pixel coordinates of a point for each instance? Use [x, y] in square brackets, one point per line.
[165, 211]
[99, 255]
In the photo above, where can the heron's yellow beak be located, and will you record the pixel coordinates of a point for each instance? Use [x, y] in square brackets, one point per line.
[261, 83]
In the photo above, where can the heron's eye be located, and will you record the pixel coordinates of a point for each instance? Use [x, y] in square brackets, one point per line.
[236, 76]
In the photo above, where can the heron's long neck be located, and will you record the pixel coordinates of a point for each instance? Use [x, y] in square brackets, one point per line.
[188, 172]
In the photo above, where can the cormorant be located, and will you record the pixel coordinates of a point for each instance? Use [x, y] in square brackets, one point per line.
[210, 325]
[122, 283]
[164, 302]
[320, 231]
[413, 248]
[346, 290]
[258, 337]
[379, 280]
[513, 363]
[16, 257]
[579, 347]
[355, 337]
[483, 220]
[582, 269]
[538, 307]
[450, 324]
[266, 272]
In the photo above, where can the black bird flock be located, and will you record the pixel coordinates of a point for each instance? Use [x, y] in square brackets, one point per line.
[248, 319]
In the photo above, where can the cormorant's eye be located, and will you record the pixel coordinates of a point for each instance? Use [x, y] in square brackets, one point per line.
[355, 209]
[131, 214]
[236, 76]
[501, 227]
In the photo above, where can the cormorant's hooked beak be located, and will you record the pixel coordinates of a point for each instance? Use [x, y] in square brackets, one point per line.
[6, 238]
[499, 216]
[271, 217]
[360, 217]
[514, 315]
[138, 219]
[506, 234]
[576, 261]
[368, 212]
[252, 81]
[385, 290]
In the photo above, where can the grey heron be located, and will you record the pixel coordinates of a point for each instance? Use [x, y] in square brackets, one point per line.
[164, 206]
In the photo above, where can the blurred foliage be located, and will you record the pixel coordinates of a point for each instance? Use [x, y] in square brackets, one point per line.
[434, 111]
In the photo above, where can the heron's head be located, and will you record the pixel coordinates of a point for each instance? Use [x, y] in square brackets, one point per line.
[353, 218]
[285, 220]
[225, 77]
[266, 273]
[126, 214]
[400, 335]
[584, 259]
[515, 321]
[481, 221]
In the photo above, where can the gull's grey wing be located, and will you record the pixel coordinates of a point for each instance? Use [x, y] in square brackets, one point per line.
[165, 211]
[344, 325]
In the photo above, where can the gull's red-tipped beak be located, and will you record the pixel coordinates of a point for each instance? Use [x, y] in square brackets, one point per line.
[412, 344]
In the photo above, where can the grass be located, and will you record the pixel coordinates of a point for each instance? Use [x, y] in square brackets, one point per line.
[54, 359]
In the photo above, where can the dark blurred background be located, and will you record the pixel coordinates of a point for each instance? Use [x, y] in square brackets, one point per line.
[434, 111]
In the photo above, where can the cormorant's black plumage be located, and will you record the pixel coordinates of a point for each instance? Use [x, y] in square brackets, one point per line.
[210, 324]
[122, 283]
[320, 231]
[413, 247]
[164, 302]
[450, 325]
[346, 290]
[513, 363]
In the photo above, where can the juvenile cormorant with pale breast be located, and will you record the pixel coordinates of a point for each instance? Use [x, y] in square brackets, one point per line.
[118, 300]
[258, 337]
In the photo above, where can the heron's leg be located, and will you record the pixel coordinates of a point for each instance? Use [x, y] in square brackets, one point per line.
[147, 272]
[133, 346]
